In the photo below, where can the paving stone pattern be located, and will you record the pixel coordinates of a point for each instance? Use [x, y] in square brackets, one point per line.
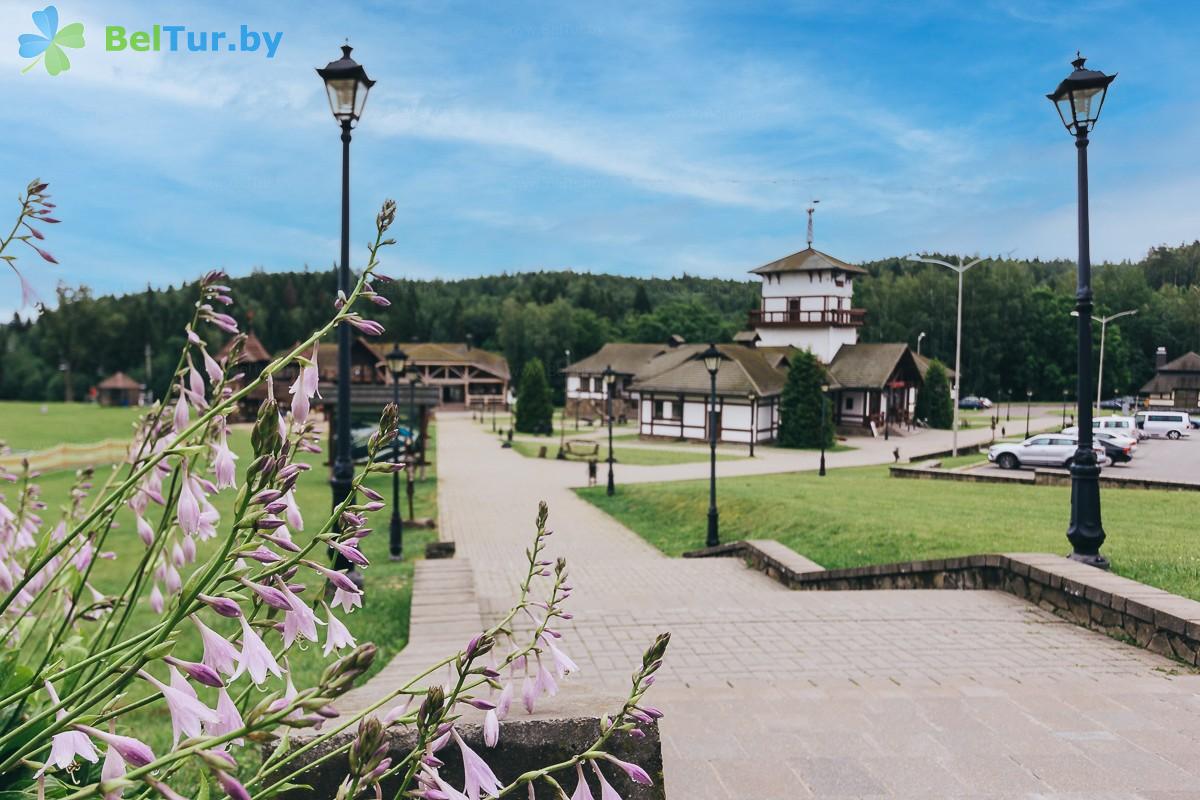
[771, 693]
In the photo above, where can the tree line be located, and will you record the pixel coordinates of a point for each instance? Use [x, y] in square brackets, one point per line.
[1017, 330]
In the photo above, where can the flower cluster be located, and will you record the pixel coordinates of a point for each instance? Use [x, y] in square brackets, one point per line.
[74, 664]
[35, 208]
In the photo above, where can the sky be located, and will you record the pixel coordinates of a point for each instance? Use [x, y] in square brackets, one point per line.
[634, 138]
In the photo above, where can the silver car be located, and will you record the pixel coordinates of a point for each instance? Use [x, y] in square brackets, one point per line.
[1042, 450]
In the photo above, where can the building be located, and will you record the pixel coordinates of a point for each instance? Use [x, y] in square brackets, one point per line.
[118, 389]
[464, 375]
[806, 304]
[1176, 384]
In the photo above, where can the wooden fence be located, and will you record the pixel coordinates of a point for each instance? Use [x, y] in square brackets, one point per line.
[69, 456]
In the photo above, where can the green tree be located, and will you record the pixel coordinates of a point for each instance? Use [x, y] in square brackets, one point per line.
[535, 413]
[804, 405]
[933, 400]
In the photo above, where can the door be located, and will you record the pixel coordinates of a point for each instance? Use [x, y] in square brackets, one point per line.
[793, 309]
[1037, 451]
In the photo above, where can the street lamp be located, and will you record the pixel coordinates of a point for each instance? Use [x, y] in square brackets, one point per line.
[1079, 99]
[610, 378]
[920, 336]
[1103, 330]
[1008, 408]
[960, 268]
[824, 400]
[414, 381]
[1028, 405]
[753, 398]
[1064, 417]
[712, 362]
[562, 418]
[397, 363]
[347, 85]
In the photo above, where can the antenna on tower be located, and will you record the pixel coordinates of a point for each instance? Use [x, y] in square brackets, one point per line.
[812, 206]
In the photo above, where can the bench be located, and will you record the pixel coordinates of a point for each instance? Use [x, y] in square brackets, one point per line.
[582, 448]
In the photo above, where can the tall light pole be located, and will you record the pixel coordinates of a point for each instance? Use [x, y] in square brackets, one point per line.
[1064, 416]
[824, 400]
[960, 268]
[414, 381]
[397, 363]
[920, 336]
[347, 85]
[562, 419]
[1079, 99]
[610, 379]
[753, 398]
[1103, 330]
[1028, 405]
[712, 362]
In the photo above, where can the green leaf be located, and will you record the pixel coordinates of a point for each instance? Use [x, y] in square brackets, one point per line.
[202, 792]
[56, 60]
[70, 36]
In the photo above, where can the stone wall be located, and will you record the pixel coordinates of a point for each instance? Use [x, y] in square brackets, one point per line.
[1157, 620]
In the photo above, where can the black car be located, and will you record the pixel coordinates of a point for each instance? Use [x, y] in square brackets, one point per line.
[361, 437]
[1118, 403]
[1118, 454]
[971, 403]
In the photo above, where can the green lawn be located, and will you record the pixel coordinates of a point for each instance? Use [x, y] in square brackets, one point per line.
[384, 617]
[24, 426]
[640, 456]
[861, 516]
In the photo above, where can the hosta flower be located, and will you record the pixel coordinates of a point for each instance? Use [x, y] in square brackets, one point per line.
[348, 601]
[256, 658]
[112, 769]
[200, 673]
[130, 750]
[338, 635]
[156, 599]
[223, 462]
[563, 664]
[350, 551]
[231, 786]
[491, 728]
[582, 790]
[228, 718]
[187, 508]
[634, 772]
[528, 694]
[211, 367]
[187, 712]
[545, 683]
[181, 413]
[294, 518]
[268, 594]
[478, 776]
[145, 532]
[504, 702]
[219, 654]
[298, 620]
[66, 746]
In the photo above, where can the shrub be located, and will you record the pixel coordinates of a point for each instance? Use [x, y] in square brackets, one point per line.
[803, 404]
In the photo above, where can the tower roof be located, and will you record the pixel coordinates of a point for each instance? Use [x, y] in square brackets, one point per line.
[808, 260]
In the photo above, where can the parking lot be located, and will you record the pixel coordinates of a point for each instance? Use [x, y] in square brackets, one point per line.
[1155, 459]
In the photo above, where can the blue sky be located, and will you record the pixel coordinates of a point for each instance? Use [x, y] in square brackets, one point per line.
[644, 139]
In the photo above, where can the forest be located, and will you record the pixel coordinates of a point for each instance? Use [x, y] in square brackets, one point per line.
[1017, 330]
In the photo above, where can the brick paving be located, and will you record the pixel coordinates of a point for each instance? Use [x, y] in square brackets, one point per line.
[777, 694]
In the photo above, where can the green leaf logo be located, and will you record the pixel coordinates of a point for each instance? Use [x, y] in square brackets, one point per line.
[47, 46]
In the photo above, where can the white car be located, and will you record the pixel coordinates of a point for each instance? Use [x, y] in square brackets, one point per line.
[1124, 426]
[1042, 450]
[1171, 424]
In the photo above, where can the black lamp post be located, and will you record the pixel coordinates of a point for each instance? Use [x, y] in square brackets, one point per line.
[1008, 408]
[562, 418]
[409, 479]
[824, 400]
[1028, 405]
[397, 362]
[1064, 417]
[347, 85]
[610, 379]
[712, 362]
[753, 398]
[1079, 99]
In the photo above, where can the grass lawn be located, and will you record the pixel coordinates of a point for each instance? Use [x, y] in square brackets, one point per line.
[383, 618]
[861, 516]
[953, 462]
[23, 426]
[640, 456]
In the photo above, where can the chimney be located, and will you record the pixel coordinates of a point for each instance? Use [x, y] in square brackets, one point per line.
[1160, 358]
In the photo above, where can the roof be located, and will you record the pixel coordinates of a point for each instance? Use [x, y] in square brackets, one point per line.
[746, 337]
[869, 366]
[742, 371]
[119, 380]
[808, 260]
[446, 353]
[923, 365]
[253, 351]
[1182, 373]
[626, 358]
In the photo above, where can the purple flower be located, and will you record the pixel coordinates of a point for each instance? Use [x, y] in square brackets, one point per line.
[478, 775]
[350, 551]
[528, 694]
[256, 658]
[338, 579]
[187, 510]
[181, 413]
[268, 594]
[504, 702]
[582, 790]
[634, 772]
[368, 326]
[298, 620]
[231, 786]
[607, 792]
[491, 728]
[200, 673]
[222, 605]
[187, 712]
[219, 654]
[211, 366]
[563, 664]
[129, 749]
[145, 532]
[223, 459]
[66, 746]
[228, 718]
[337, 635]
[347, 600]
[156, 599]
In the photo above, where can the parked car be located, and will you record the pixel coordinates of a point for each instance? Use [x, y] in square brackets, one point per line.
[1171, 424]
[987, 402]
[1125, 426]
[971, 404]
[1118, 448]
[1042, 450]
[360, 438]
[1119, 403]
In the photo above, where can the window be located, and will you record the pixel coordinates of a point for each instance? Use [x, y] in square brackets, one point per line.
[1041, 440]
[661, 410]
[849, 403]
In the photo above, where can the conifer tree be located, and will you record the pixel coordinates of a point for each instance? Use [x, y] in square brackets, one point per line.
[804, 404]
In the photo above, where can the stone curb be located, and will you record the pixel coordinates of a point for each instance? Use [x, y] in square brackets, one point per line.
[1154, 619]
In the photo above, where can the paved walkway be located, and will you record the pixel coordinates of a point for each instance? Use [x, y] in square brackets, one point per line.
[778, 694]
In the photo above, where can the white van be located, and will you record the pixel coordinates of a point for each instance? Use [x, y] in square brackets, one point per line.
[1171, 424]
[1121, 426]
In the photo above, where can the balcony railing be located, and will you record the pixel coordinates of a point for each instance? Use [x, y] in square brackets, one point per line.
[851, 317]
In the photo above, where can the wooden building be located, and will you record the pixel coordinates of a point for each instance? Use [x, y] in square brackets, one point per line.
[118, 389]
[1176, 384]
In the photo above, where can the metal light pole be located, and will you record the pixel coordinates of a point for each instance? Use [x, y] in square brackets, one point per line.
[1064, 417]
[562, 419]
[1008, 408]
[920, 336]
[410, 486]
[610, 378]
[1028, 404]
[753, 398]
[1079, 99]
[397, 362]
[712, 362]
[1103, 330]
[960, 268]
[824, 400]
[347, 85]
